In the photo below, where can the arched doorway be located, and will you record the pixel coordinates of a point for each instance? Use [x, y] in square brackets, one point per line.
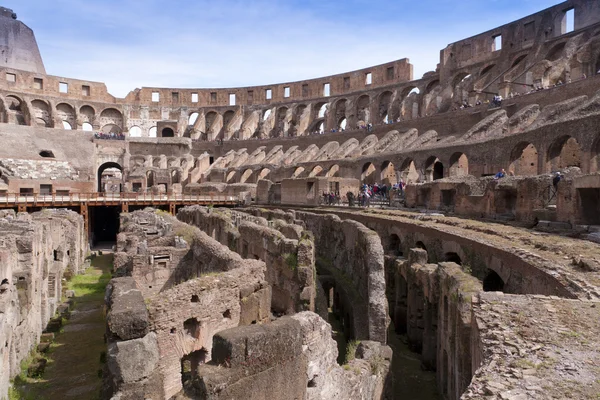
[110, 178]
[408, 171]
[563, 152]
[434, 169]
[368, 174]
[524, 159]
[493, 282]
[388, 173]
[459, 165]
[167, 132]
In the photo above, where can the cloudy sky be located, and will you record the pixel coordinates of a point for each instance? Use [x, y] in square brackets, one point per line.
[230, 43]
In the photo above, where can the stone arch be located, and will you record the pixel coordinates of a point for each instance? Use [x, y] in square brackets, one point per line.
[395, 246]
[333, 171]
[152, 131]
[209, 121]
[556, 52]
[340, 110]
[388, 173]
[434, 169]
[383, 107]
[493, 282]
[279, 126]
[66, 126]
[524, 159]
[460, 89]
[296, 125]
[66, 113]
[320, 109]
[485, 70]
[102, 169]
[453, 257]
[408, 171]
[246, 176]
[87, 114]
[87, 127]
[231, 177]
[316, 171]
[518, 60]
[135, 131]
[368, 173]
[363, 113]
[227, 118]
[264, 173]
[40, 113]
[193, 117]
[111, 116]
[563, 152]
[298, 172]
[342, 124]
[111, 128]
[409, 103]
[16, 111]
[459, 165]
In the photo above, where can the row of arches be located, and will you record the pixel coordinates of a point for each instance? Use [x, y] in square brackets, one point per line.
[42, 113]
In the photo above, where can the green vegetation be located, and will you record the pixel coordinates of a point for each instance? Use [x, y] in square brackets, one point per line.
[187, 232]
[90, 283]
[291, 259]
[351, 350]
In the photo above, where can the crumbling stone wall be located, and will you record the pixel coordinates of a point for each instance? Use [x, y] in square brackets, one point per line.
[287, 250]
[36, 250]
[352, 254]
[207, 290]
[292, 358]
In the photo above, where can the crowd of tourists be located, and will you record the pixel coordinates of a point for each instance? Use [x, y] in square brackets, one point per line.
[109, 136]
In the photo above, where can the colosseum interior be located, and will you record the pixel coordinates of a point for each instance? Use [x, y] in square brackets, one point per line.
[346, 237]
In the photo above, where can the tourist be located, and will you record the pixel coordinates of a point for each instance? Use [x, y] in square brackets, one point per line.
[501, 174]
[556, 179]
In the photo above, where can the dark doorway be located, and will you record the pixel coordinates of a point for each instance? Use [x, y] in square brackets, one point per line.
[590, 206]
[493, 282]
[438, 170]
[104, 224]
[111, 178]
[168, 132]
[453, 257]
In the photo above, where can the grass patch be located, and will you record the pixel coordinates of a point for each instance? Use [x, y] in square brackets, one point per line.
[351, 350]
[89, 284]
[291, 259]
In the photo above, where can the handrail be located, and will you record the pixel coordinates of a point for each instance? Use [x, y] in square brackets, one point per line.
[103, 198]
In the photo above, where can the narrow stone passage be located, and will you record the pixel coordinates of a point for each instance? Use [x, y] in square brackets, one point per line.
[74, 362]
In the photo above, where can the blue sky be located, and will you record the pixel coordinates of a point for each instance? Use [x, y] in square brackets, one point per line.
[230, 43]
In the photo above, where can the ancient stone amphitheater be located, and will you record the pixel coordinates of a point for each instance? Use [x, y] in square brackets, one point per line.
[232, 280]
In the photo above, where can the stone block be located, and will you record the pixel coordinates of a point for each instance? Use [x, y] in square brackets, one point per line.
[133, 360]
[128, 316]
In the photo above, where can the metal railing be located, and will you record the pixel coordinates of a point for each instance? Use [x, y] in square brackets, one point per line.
[101, 198]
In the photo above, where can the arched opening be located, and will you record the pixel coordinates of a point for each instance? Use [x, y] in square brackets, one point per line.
[556, 52]
[518, 60]
[563, 152]
[493, 282]
[66, 113]
[333, 171]
[15, 111]
[315, 171]
[230, 177]
[434, 169]
[459, 165]
[362, 109]
[264, 173]
[388, 173]
[152, 132]
[112, 116]
[322, 107]
[193, 118]
[342, 124]
[321, 127]
[408, 171]
[395, 246]
[246, 176]
[486, 70]
[266, 114]
[135, 131]
[385, 101]
[190, 364]
[87, 114]
[167, 132]
[420, 245]
[298, 172]
[87, 127]
[66, 126]
[524, 160]
[453, 257]
[41, 113]
[368, 174]
[109, 129]
[110, 178]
